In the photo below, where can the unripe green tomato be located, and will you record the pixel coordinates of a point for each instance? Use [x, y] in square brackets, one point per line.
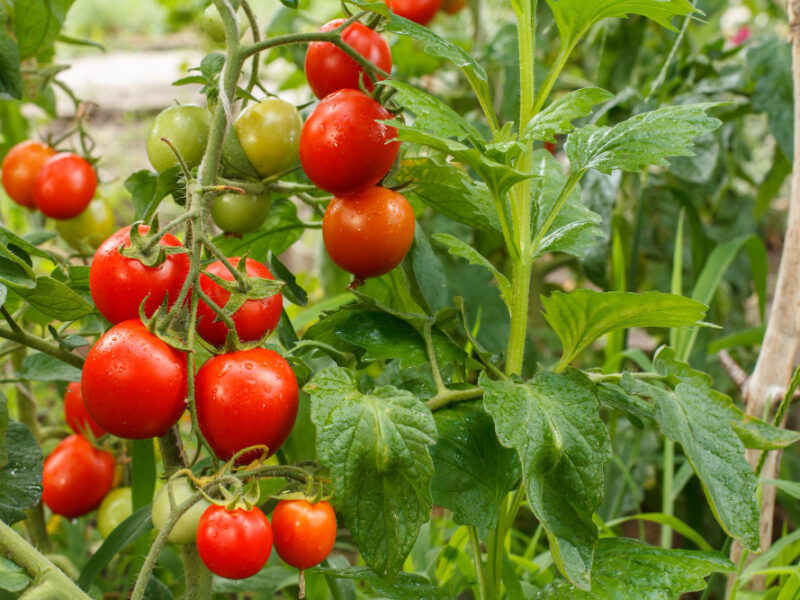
[240, 213]
[269, 133]
[115, 508]
[90, 228]
[186, 528]
[211, 23]
[186, 126]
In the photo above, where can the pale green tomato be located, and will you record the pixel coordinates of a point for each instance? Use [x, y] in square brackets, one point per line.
[240, 213]
[186, 527]
[186, 126]
[115, 508]
[90, 228]
[211, 23]
[269, 133]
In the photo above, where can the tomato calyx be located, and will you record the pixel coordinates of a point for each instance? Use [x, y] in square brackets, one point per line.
[146, 248]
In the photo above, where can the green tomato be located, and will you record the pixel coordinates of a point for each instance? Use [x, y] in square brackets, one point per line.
[240, 213]
[186, 126]
[186, 527]
[90, 228]
[269, 133]
[211, 23]
[115, 508]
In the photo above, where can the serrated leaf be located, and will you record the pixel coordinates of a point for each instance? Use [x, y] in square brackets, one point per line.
[13, 578]
[473, 473]
[458, 248]
[424, 273]
[582, 316]
[645, 139]
[553, 423]
[406, 586]
[38, 25]
[56, 299]
[21, 477]
[148, 189]
[376, 446]
[558, 116]
[450, 190]
[42, 367]
[627, 569]
[697, 417]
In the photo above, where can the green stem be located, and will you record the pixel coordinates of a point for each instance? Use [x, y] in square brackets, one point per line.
[667, 502]
[480, 570]
[448, 397]
[198, 580]
[552, 76]
[42, 346]
[520, 296]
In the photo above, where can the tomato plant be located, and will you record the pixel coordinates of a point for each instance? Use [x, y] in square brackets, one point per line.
[252, 320]
[240, 213]
[19, 169]
[185, 529]
[186, 127]
[303, 533]
[133, 384]
[368, 234]
[75, 412]
[120, 284]
[269, 133]
[343, 147]
[76, 477]
[234, 543]
[328, 69]
[64, 186]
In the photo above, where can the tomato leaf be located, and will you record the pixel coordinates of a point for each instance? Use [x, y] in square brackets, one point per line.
[42, 367]
[148, 189]
[3, 429]
[291, 289]
[582, 316]
[37, 26]
[425, 274]
[627, 568]
[268, 581]
[56, 299]
[406, 586]
[698, 418]
[473, 473]
[769, 61]
[553, 423]
[557, 117]
[645, 139]
[10, 76]
[376, 446]
[21, 477]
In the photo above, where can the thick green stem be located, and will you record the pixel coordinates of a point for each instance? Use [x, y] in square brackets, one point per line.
[198, 581]
[667, 501]
[484, 592]
[448, 397]
[520, 297]
[42, 346]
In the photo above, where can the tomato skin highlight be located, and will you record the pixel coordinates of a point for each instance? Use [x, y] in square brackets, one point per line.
[75, 413]
[234, 544]
[246, 398]
[329, 69]
[304, 533]
[368, 234]
[76, 477]
[64, 186]
[269, 133]
[19, 168]
[134, 384]
[343, 149]
[253, 319]
[419, 11]
[118, 284]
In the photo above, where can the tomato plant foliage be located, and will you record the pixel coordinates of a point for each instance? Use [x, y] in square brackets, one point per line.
[472, 404]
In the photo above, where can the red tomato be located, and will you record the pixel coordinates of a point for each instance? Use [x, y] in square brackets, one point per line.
[329, 69]
[234, 543]
[369, 233]
[419, 11]
[134, 384]
[76, 477]
[304, 532]
[64, 186]
[75, 412]
[118, 284]
[246, 398]
[253, 319]
[20, 167]
[343, 149]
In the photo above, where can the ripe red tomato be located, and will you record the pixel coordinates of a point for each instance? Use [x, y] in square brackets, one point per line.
[419, 11]
[329, 69]
[75, 412]
[20, 166]
[76, 477]
[343, 149]
[134, 384]
[234, 543]
[64, 186]
[304, 532]
[253, 319]
[118, 284]
[243, 399]
[369, 233]
[451, 7]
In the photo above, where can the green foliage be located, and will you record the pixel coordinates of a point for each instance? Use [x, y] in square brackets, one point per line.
[21, 476]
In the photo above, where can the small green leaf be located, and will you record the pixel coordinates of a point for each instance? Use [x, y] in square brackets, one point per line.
[473, 473]
[788, 487]
[21, 477]
[268, 581]
[10, 76]
[43, 367]
[553, 422]
[291, 289]
[55, 299]
[148, 189]
[38, 25]
[627, 569]
[13, 578]
[645, 139]
[558, 116]
[769, 61]
[406, 586]
[458, 248]
[425, 274]
[376, 446]
[582, 316]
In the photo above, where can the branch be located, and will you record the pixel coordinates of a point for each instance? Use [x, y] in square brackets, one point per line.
[42, 346]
